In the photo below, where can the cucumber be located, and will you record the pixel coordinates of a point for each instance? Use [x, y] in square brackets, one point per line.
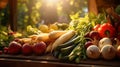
[61, 56]
[72, 57]
[64, 52]
[65, 58]
[67, 50]
[77, 53]
[56, 53]
[75, 50]
[69, 43]
[77, 60]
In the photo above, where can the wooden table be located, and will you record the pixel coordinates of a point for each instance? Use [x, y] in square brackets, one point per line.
[50, 61]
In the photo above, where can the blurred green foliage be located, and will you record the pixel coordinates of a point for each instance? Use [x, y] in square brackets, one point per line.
[4, 16]
[32, 12]
[117, 9]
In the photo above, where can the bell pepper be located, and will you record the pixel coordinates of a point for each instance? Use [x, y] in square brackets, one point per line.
[106, 30]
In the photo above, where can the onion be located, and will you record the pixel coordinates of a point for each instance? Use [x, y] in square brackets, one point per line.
[93, 52]
[118, 51]
[104, 41]
[108, 52]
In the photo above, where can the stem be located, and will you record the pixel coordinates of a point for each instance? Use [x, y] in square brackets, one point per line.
[107, 32]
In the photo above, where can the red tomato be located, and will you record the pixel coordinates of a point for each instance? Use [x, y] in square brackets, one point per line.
[106, 30]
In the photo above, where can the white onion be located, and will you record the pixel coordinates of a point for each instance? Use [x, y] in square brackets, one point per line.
[104, 41]
[108, 52]
[93, 52]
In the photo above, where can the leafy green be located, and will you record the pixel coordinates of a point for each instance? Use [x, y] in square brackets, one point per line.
[5, 39]
[81, 25]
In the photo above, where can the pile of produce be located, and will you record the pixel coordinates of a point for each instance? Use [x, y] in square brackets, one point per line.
[6, 36]
[37, 41]
[103, 40]
[73, 50]
[96, 37]
[92, 36]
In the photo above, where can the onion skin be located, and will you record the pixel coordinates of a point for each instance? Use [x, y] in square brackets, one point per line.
[108, 52]
[118, 51]
[104, 41]
[93, 52]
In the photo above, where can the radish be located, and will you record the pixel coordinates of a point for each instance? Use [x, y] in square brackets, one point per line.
[95, 37]
[87, 44]
[93, 52]
[39, 48]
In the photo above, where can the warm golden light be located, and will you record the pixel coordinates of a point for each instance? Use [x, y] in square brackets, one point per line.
[51, 2]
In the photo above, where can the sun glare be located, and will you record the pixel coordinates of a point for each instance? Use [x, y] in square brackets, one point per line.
[51, 2]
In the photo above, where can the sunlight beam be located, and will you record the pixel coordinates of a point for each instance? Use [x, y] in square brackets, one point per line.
[51, 2]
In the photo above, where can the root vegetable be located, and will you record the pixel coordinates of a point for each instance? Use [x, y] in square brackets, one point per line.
[26, 40]
[94, 35]
[49, 48]
[41, 37]
[5, 50]
[118, 51]
[108, 52]
[14, 48]
[1, 52]
[93, 52]
[87, 44]
[56, 34]
[62, 39]
[95, 42]
[116, 43]
[104, 41]
[39, 48]
[27, 49]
